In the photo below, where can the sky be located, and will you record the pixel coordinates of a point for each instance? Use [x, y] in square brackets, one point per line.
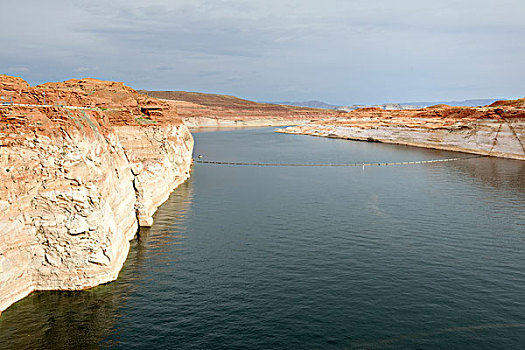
[337, 51]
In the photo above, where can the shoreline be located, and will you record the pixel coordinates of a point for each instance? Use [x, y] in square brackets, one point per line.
[486, 137]
[219, 123]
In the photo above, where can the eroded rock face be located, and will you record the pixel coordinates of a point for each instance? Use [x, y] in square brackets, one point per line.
[75, 184]
[496, 130]
[160, 160]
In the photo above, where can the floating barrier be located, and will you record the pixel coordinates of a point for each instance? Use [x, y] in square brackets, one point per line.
[200, 161]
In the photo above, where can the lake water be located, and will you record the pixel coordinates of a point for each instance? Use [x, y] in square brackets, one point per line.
[426, 256]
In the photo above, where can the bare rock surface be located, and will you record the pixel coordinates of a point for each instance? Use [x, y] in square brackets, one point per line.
[495, 130]
[76, 183]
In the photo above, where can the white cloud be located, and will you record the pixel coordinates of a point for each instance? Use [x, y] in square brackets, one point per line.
[86, 69]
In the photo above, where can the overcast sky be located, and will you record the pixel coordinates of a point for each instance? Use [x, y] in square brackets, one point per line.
[338, 51]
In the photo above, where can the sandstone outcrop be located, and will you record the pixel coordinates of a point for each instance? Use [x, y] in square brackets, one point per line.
[495, 130]
[82, 164]
[210, 110]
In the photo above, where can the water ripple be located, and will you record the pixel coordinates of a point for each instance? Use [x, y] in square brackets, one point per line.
[420, 257]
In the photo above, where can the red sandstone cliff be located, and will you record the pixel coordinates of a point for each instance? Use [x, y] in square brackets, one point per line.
[76, 181]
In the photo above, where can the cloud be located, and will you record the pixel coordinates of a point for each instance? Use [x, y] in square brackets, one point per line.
[18, 70]
[86, 69]
[349, 51]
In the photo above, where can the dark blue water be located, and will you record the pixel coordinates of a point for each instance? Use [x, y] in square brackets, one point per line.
[424, 256]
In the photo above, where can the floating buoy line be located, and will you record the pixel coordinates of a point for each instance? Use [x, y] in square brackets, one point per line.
[200, 161]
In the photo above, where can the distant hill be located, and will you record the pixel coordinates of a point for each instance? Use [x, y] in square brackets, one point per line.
[225, 101]
[215, 100]
[191, 105]
[208, 100]
[519, 103]
[310, 104]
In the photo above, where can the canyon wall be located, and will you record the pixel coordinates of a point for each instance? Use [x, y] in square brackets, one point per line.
[216, 111]
[496, 130]
[77, 181]
[239, 122]
[160, 160]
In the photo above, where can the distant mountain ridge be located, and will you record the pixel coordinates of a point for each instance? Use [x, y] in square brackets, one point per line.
[222, 101]
[401, 105]
[216, 100]
[310, 104]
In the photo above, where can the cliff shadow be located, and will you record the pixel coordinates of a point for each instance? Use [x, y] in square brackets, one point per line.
[89, 319]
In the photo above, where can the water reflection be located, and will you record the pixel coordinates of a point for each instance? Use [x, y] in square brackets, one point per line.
[494, 172]
[86, 319]
[169, 218]
[60, 320]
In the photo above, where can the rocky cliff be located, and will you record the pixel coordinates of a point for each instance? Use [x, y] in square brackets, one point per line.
[496, 130]
[83, 163]
[210, 110]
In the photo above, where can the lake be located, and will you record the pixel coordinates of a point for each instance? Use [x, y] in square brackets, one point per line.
[427, 256]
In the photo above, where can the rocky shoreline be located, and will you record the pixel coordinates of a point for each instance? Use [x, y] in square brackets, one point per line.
[75, 184]
[209, 122]
[497, 130]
